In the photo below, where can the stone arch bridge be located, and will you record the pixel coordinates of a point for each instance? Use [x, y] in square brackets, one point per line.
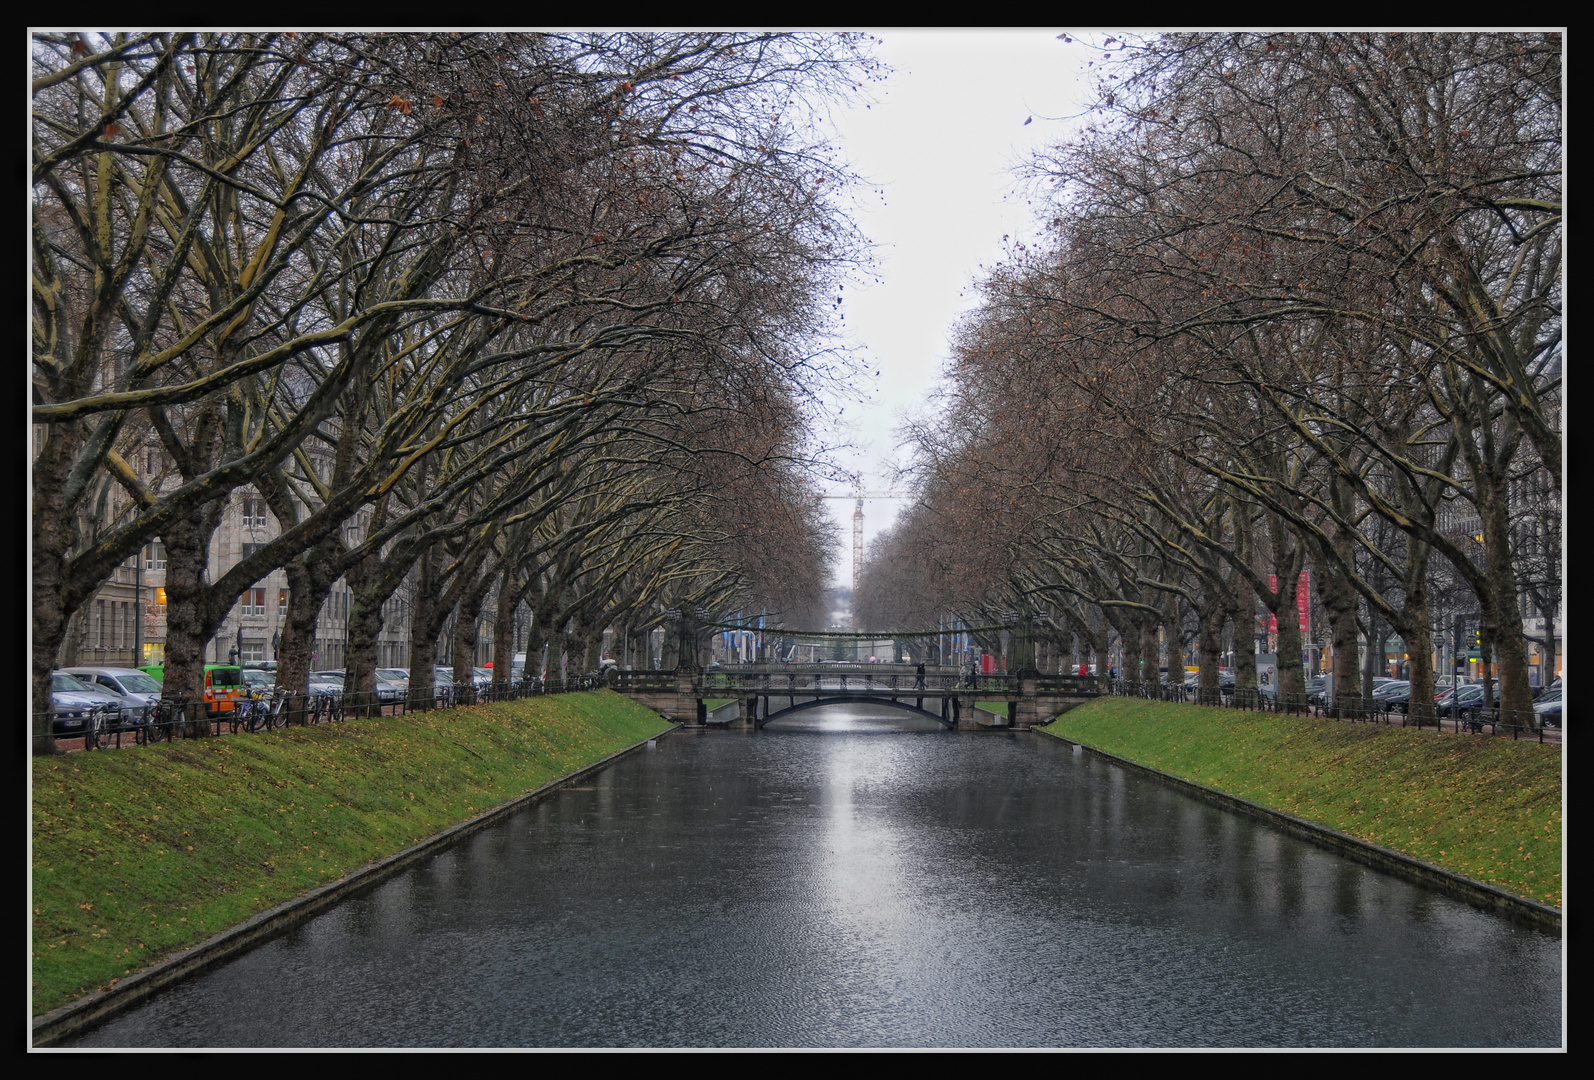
[769, 692]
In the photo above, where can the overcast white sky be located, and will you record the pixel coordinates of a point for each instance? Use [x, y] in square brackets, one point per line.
[941, 140]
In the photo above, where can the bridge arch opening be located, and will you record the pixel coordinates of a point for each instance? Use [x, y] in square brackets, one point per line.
[778, 711]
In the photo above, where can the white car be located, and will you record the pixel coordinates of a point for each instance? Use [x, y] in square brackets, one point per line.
[133, 688]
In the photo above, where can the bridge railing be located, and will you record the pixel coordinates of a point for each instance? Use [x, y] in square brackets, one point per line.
[832, 678]
[642, 681]
[1073, 685]
[790, 679]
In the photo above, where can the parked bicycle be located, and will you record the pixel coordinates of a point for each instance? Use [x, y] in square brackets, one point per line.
[326, 708]
[162, 716]
[253, 711]
[277, 708]
[99, 724]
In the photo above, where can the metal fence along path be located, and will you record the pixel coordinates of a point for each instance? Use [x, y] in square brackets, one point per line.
[1502, 723]
[112, 728]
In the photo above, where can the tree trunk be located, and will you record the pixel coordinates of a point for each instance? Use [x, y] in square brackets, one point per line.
[1212, 618]
[1340, 600]
[467, 629]
[426, 621]
[54, 534]
[669, 650]
[1291, 647]
[1150, 652]
[1244, 649]
[576, 646]
[189, 622]
[1501, 610]
[504, 632]
[371, 589]
[1289, 559]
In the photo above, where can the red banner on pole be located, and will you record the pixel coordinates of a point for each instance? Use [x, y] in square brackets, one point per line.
[1301, 601]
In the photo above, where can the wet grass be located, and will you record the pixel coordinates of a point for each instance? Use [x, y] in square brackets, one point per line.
[713, 703]
[139, 852]
[1485, 807]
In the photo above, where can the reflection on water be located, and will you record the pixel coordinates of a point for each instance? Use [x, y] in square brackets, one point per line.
[854, 719]
[858, 877]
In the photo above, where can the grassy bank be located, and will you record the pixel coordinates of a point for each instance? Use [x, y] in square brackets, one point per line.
[1485, 807]
[139, 852]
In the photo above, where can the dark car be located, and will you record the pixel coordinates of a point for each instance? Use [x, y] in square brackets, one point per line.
[1317, 690]
[1464, 702]
[77, 704]
[1393, 695]
[1548, 707]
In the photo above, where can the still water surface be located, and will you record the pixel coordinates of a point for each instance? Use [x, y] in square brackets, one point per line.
[851, 878]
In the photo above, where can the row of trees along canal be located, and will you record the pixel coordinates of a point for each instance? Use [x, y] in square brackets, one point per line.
[537, 318]
[1296, 304]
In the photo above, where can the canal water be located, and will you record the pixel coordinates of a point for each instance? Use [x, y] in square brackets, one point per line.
[852, 878]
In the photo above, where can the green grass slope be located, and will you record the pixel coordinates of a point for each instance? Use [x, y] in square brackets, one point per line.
[1484, 807]
[142, 851]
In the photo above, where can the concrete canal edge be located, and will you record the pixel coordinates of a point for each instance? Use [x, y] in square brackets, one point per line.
[94, 1009]
[731, 710]
[1456, 886]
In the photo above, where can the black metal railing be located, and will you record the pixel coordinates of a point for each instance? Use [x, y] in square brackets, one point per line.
[1466, 719]
[833, 681]
[113, 726]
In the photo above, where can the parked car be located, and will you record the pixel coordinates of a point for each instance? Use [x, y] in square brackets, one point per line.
[389, 686]
[1548, 707]
[134, 689]
[325, 682]
[1442, 683]
[1394, 695]
[397, 676]
[443, 684]
[1317, 690]
[259, 679]
[1463, 702]
[76, 702]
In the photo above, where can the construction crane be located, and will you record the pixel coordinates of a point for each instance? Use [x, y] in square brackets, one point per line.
[859, 495]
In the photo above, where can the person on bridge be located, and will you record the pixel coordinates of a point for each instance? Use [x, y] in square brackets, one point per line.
[919, 671]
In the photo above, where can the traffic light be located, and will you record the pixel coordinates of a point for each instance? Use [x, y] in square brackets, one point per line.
[1477, 637]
